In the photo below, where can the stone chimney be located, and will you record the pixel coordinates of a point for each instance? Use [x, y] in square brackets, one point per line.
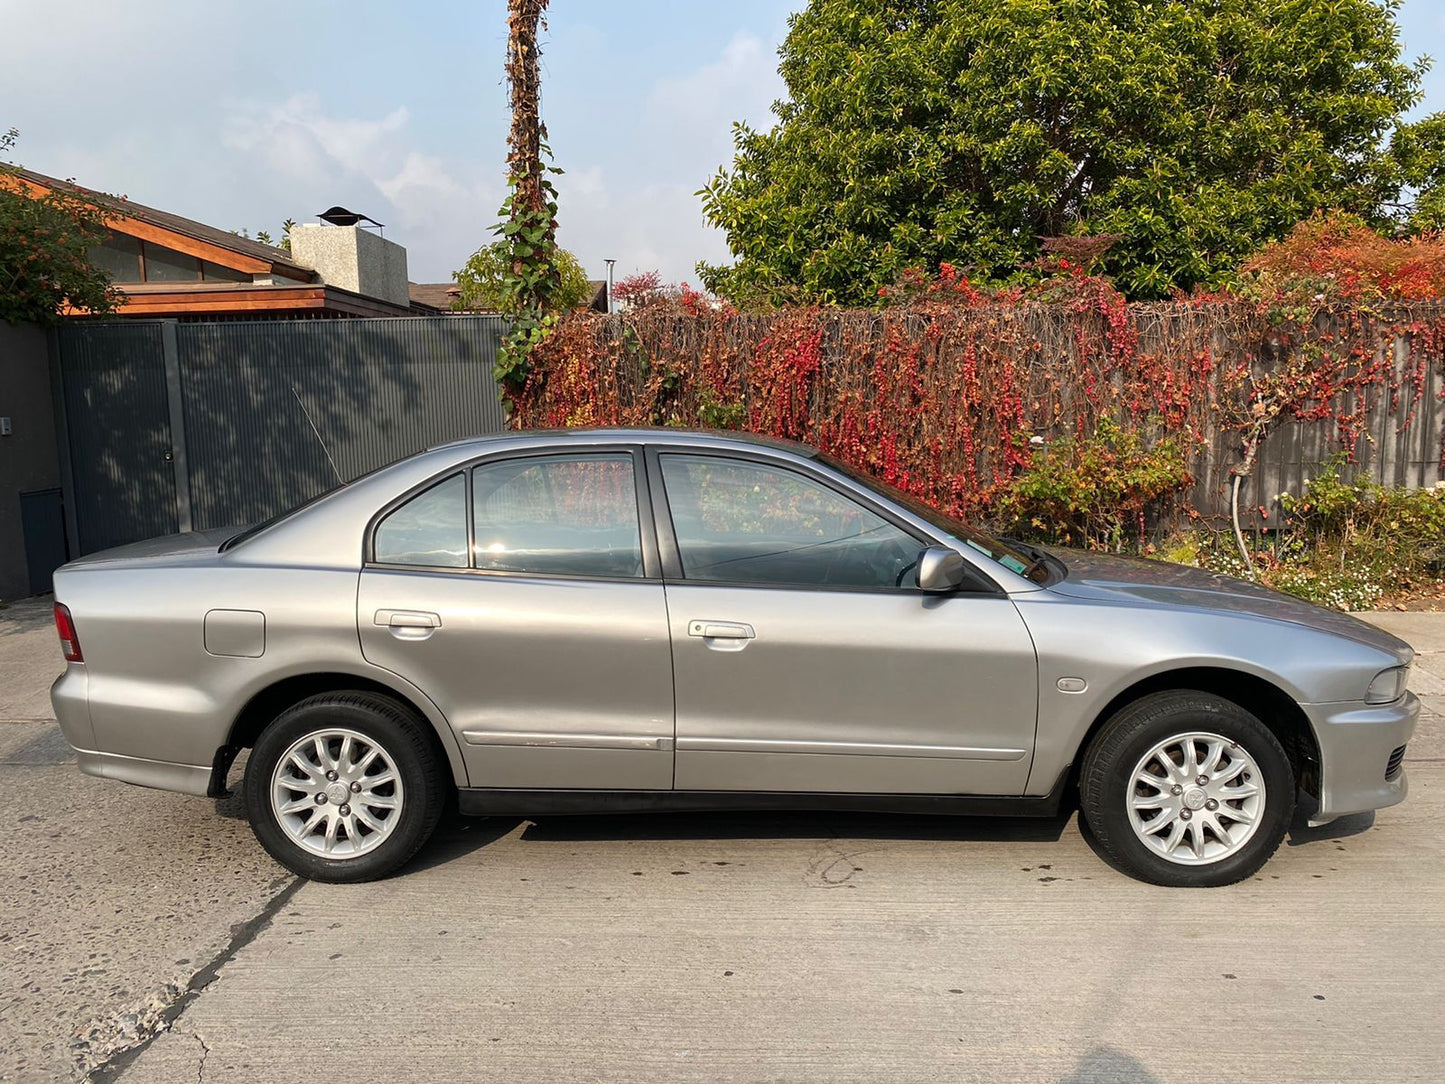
[354, 259]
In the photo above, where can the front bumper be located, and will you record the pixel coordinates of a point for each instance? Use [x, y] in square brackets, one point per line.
[1356, 740]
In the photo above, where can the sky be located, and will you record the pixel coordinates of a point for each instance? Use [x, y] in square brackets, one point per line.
[243, 113]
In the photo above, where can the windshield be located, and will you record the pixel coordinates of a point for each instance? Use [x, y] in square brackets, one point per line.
[1013, 558]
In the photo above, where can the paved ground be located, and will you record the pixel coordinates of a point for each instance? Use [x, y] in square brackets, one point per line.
[701, 948]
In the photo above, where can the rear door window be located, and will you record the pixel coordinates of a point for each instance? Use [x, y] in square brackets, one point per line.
[573, 515]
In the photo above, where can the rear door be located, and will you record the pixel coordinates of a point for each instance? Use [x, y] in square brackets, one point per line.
[523, 596]
[806, 660]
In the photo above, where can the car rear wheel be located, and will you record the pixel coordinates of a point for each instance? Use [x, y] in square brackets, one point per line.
[1187, 789]
[343, 787]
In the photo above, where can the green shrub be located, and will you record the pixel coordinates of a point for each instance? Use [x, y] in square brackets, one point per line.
[1343, 544]
[1100, 491]
[1362, 528]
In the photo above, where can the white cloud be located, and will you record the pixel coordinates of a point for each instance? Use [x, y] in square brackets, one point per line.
[297, 138]
[740, 85]
[439, 210]
[644, 211]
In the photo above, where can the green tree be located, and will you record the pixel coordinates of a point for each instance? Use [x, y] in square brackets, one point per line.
[45, 242]
[1419, 153]
[483, 281]
[918, 131]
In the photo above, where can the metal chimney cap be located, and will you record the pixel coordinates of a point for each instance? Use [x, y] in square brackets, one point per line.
[340, 216]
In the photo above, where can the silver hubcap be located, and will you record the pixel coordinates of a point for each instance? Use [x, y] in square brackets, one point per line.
[1196, 798]
[337, 793]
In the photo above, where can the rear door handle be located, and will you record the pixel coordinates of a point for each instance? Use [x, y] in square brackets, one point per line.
[409, 624]
[720, 630]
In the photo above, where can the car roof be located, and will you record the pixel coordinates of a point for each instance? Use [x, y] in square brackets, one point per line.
[718, 438]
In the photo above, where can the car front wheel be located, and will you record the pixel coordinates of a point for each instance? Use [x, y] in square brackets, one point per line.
[1187, 789]
[343, 787]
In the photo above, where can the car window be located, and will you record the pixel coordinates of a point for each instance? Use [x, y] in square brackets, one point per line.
[430, 529]
[1013, 556]
[745, 522]
[569, 515]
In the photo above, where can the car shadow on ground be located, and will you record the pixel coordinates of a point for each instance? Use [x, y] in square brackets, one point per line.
[458, 835]
[1301, 834]
[1106, 1064]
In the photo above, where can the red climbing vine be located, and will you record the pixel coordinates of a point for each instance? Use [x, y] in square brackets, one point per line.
[949, 390]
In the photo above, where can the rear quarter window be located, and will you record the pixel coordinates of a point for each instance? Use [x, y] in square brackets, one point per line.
[428, 530]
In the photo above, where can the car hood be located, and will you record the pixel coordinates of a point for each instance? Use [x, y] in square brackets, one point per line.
[1134, 579]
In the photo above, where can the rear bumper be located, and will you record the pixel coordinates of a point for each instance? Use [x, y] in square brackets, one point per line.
[185, 778]
[1356, 740]
[69, 697]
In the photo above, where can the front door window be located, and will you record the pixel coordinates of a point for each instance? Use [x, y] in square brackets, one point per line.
[743, 522]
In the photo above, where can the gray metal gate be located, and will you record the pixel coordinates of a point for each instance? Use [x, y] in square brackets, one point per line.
[117, 420]
[180, 426]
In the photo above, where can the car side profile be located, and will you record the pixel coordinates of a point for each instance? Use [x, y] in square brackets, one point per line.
[634, 620]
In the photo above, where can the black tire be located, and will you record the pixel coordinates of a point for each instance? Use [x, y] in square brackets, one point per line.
[378, 719]
[1106, 785]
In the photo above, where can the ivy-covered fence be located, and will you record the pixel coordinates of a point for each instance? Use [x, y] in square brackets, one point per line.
[952, 400]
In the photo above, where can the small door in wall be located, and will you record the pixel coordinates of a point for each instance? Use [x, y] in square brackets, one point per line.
[42, 522]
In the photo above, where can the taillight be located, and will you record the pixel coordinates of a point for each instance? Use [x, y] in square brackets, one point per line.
[69, 642]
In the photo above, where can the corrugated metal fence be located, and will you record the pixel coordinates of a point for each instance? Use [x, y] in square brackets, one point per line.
[179, 426]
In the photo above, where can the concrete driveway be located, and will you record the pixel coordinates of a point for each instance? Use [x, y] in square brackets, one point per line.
[146, 936]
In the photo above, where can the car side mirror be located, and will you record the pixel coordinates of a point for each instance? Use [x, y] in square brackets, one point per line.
[941, 570]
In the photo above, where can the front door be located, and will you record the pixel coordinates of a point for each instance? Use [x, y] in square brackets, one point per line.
[805, 659]
[533, 624]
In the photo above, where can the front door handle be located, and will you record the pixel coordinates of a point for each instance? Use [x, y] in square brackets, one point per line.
[409, 624]
[720, 630]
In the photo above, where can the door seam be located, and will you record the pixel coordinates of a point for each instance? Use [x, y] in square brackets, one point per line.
[672, 673]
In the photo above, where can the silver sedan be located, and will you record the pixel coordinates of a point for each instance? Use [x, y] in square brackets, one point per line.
[544, 623]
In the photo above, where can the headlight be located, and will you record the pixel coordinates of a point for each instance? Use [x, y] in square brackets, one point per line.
[1388, 686]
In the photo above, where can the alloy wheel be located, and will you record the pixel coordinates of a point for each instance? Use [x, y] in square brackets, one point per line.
[337, 793]
[1196, 798]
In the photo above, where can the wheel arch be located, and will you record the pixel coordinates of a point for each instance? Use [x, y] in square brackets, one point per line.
[270, 701]
[1269, 703]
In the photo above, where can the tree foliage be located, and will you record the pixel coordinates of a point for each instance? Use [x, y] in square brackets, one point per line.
[1419, 153]
[921, 131]
[483, 280]
[45, 242]
[283, 241]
